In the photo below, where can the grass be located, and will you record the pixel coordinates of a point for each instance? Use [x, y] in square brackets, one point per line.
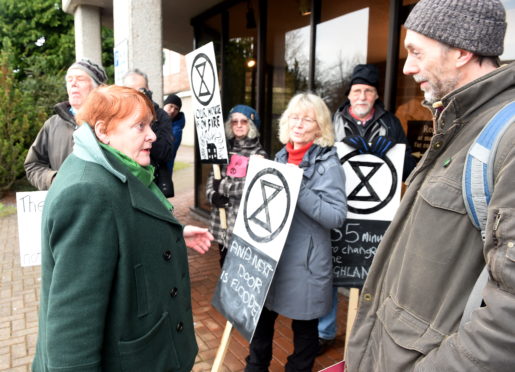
[6, 210]
[179, 165]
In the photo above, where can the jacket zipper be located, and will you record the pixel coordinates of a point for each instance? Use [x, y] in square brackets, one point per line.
[495, 227]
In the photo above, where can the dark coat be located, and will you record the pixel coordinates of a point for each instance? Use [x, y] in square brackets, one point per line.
[302, 285]
[383, 123]
[115, 291]
[431, 255]
[51, 147]
[162, 151]
[231, 187]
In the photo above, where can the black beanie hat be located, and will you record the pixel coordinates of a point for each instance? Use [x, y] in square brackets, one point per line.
[365, 74]
[173, 99]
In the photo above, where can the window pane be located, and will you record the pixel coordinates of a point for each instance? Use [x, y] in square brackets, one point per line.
[287, 58]
[349, 33]
[335, 61]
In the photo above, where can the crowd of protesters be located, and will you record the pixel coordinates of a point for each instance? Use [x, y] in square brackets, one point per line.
[111, 245]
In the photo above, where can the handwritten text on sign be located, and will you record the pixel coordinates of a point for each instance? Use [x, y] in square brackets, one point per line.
[245, 278]
[354, 247]
[260, 231]
[30, 209]
[207, 106]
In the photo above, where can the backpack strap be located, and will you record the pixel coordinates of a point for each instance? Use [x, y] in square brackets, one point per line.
[477, 186]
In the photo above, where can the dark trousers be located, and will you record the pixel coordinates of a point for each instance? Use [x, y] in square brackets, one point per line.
[223, 253]
[305, 344]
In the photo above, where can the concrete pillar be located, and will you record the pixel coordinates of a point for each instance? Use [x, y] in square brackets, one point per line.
[88, 42]
[138, 41]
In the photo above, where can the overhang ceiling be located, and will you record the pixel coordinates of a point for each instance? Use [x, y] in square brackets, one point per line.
[177, 14]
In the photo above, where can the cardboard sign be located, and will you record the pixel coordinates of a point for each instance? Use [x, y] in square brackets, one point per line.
[207, 107]
[338, 367]
[373, 188]
[262, 224]
[237, 166]
[30, 210]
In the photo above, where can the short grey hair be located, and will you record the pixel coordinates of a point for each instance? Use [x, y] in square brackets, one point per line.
[136, 71]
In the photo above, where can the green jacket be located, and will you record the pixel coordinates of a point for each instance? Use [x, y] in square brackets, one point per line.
[431, 255]
[115, 290]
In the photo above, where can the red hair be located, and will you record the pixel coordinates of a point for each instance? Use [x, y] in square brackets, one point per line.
[111, 103]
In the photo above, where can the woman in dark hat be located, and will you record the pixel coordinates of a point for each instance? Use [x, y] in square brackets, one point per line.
[242, 131]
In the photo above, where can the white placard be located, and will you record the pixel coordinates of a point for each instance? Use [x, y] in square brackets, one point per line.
[207, 106]
[30, 210]
[373, 184]
[259, 234]
[267, 206]
[121, 61]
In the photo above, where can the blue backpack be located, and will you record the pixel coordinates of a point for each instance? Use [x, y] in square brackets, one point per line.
[477, 185]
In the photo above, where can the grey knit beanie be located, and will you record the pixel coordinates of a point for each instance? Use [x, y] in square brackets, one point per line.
[478, 26]
[95, 71]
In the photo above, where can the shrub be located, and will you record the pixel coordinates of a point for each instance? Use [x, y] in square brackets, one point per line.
[20, 120]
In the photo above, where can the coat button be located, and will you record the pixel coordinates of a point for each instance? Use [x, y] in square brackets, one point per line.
[179, 327]
[437, 145]
[367, 297]
[174, 291]
[167, 255]
[178, 239]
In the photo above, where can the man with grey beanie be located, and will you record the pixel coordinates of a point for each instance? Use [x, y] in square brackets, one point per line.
[54, 141]
[412, 309]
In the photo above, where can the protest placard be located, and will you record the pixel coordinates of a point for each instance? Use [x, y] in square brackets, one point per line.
[29, 207]
[207, 106]
[262, 224]
[373, 187]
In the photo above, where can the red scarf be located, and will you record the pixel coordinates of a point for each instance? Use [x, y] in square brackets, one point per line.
[296, 156]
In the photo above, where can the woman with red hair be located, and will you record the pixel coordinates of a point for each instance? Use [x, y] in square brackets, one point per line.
[115, 291]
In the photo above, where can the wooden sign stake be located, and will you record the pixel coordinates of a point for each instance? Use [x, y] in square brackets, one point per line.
[222, 349]
[224, 344]
[351, 315]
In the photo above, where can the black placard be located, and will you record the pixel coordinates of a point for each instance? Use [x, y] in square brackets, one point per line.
[354, 247]
[243, 285]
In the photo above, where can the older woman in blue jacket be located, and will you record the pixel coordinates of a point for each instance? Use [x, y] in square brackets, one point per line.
[302, 285]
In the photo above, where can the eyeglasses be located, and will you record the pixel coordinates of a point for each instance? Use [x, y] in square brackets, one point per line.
[294, 119]
[241, 121]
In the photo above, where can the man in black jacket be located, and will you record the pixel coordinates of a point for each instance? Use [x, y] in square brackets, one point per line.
[362, 119]
[363, 123]
[161, 152]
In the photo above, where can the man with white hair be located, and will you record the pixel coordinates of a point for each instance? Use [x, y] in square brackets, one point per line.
[54, 141]
[413, 306]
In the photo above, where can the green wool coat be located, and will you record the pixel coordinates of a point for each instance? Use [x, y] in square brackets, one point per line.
[115, 291]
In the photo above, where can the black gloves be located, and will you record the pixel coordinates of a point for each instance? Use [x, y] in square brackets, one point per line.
[357, 142]
[379, 146]
[219, 200]
[216, 184]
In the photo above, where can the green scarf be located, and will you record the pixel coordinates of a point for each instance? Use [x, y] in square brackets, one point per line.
[144, 174]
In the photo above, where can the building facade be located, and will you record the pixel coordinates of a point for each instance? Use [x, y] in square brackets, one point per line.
[267, 51]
